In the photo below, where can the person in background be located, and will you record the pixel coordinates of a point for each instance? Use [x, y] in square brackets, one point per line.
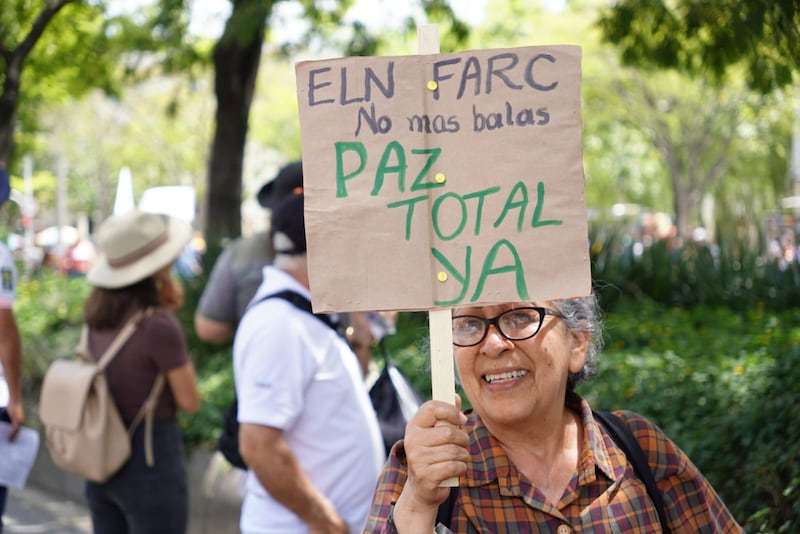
[132, 273]
[237, 271]
[307, 429]
[530, 456]
[11, 409]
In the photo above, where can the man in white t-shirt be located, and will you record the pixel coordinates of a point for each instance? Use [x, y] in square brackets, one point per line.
[308, 431]
[10, 348]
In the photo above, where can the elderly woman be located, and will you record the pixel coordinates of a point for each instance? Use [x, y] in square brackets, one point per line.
[530, 457]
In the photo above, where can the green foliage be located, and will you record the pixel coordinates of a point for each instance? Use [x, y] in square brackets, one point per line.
[724, 386]
[729, 274]
[48, 311]
[709, 37]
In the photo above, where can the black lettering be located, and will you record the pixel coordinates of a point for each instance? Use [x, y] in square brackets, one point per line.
[313, 86]
[500, 72]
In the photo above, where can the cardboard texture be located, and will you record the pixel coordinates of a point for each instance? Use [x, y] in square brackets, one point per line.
[444, 180]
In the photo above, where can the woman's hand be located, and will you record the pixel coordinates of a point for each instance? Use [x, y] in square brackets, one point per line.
[436, 449]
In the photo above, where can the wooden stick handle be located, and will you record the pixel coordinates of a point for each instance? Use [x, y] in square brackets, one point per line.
[443, 380]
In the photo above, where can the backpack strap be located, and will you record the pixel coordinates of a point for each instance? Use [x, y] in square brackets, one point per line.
[122, 338]
[445, 511]
[147, 412]
[626, 441]
[299, 301]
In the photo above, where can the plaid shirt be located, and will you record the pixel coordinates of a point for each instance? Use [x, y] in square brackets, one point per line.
[603, 495]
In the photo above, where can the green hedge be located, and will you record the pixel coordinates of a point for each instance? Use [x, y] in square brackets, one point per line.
[726, 387]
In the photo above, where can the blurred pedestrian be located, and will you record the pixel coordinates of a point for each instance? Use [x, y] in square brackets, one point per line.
[237, 271]
[308, 433]
[132, 273]
[11, 409]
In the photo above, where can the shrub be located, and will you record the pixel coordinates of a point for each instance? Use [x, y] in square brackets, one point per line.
[724, 386]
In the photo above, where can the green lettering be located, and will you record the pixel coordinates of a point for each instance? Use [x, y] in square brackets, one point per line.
[435, 216]
[433, 154]
[341, 177]
[537, 211]
[480, 195]
[410, 213]
[394, 147]
[462, 279]
[515, 267]
[514, 204]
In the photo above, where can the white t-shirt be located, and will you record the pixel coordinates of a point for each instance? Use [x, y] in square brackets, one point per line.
[8, 284]
[295, 373]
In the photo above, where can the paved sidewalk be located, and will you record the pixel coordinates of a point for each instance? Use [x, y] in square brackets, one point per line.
[35, 511]
[52, 502]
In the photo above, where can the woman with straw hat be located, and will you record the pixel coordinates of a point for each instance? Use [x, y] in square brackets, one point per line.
[131, 276]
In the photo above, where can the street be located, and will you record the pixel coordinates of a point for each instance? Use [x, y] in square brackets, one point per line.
[33, 511]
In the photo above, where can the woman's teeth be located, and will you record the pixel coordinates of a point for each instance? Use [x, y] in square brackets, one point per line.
[504, 377]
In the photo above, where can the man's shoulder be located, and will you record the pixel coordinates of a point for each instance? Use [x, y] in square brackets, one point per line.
[250, 250]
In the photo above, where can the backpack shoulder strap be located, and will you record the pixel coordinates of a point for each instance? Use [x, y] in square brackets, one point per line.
[445, 511]
[626, 441]
[124, 334]
[299, 301]
[147, 412]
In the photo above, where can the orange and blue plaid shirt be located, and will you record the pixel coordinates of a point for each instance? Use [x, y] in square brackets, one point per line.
[604, 494]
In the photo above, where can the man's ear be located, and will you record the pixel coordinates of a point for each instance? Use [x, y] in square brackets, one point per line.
[579, 349]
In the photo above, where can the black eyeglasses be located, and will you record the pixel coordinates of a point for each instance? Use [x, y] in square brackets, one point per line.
[516, 325]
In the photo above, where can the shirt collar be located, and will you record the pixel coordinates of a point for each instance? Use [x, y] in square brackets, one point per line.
[489, 460]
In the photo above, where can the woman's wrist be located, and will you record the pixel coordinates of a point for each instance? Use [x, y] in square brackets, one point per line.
[409, 522]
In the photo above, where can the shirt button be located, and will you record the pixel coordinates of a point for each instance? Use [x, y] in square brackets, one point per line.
[564, 529]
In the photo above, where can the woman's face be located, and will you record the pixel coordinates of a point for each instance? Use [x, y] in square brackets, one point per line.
[507, 381]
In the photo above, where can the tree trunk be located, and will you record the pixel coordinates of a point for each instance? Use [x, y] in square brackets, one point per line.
[8, 109]
[236, 59]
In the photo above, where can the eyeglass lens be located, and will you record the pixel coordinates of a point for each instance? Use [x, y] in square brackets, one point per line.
[516, 324]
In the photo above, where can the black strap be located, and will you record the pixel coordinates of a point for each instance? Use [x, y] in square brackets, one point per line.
[626, 441]
[300, 302]
[445, 511]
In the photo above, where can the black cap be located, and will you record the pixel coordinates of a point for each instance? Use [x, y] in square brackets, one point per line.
[288, 227]
[289, 178]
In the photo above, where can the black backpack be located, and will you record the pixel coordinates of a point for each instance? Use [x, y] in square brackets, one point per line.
[394, 399]
[626, 441]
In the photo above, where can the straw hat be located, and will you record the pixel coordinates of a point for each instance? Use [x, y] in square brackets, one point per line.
[134, 245]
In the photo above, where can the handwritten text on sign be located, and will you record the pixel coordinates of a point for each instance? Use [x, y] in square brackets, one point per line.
[444, 180]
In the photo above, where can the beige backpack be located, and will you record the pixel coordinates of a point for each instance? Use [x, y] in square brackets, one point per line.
[84, 431]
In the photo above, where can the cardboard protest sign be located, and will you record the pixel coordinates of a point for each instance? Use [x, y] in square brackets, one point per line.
[443, 180]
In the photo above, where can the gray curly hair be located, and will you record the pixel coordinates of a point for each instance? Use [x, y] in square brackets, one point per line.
[583, 315]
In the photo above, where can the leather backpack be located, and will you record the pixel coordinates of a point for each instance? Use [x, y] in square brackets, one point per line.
[85, 434]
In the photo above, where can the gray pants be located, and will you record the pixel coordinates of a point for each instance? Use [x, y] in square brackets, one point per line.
[143, 500]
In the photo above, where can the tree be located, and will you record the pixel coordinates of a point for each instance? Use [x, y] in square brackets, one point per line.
[69, 56]
[697, 37]
[13, 56]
